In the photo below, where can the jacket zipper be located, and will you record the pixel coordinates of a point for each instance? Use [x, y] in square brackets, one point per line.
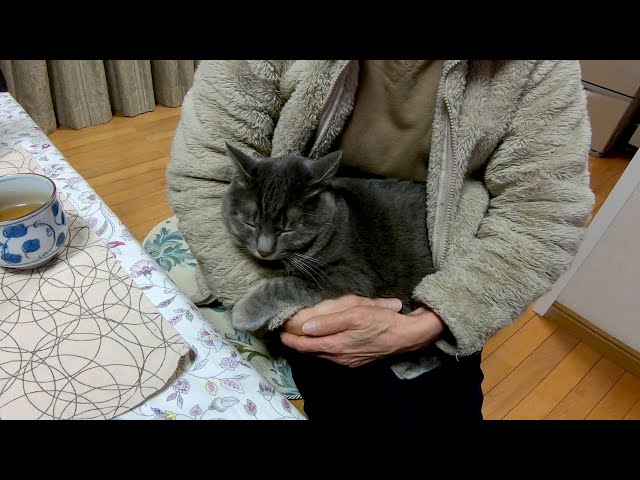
[446, 188]
[329, 109]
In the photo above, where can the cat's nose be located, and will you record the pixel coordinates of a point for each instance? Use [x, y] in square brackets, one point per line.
[266, 244]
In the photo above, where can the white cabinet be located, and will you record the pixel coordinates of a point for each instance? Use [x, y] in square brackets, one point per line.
[621, 76]
[613, 96]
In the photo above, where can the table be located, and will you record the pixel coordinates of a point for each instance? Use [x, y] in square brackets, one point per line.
[212, 381]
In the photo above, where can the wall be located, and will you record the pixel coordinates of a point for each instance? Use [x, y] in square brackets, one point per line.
[603, 286]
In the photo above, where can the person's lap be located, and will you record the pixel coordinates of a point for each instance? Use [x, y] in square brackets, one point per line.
[451, 392]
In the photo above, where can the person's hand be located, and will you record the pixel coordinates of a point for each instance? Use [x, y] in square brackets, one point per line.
[354, 330]
[294, 324]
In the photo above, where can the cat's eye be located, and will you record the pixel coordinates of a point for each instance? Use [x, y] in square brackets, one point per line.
[250, 224]
[286, 228]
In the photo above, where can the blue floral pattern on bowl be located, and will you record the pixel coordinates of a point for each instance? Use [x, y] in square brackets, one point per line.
[33, 240]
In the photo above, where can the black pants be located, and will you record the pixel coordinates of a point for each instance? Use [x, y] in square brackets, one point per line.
[332, 392]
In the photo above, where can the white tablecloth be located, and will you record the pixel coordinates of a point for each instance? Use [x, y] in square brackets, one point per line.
[213, 382]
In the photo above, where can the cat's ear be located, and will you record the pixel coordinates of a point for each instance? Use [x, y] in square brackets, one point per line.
[244, 162]
[325, 167]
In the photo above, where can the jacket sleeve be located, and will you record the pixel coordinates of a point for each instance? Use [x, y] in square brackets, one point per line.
[539, 204]
[230, 101]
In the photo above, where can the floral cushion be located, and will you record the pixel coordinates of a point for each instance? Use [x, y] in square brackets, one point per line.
[166, 245]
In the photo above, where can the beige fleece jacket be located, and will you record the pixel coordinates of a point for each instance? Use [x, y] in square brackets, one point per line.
[508, 192]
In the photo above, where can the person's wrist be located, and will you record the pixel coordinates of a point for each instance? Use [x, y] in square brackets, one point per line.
[420, 328]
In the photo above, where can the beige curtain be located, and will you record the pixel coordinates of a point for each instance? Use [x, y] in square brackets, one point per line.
[80, 93]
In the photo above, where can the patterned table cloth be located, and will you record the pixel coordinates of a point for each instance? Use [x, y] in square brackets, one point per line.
[213, 381]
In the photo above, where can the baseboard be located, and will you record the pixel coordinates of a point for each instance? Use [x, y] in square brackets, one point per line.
[595, 337]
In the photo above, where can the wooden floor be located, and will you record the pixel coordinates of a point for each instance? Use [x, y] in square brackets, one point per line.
[533, 369]
[125, 161]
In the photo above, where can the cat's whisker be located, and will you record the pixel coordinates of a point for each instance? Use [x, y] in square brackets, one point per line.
[288, 267]
[233, 237]
[314, 269]
[235, 240]
[315, 260]
[302, 268]
[323, 275]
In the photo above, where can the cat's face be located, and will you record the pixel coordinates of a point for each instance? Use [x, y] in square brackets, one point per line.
[276, 207]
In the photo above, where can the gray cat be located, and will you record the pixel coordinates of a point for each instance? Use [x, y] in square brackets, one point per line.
[328, 236]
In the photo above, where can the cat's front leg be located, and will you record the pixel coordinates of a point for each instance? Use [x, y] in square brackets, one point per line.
[269, 299]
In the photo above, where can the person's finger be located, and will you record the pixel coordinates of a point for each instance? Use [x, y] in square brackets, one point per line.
[306, 344]
[326, 307]
[305, 314]
[294, 325]
[291, 340]
[341, 304]
[334, 322]
[394, 304]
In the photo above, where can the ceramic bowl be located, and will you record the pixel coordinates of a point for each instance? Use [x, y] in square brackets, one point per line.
[33, 239]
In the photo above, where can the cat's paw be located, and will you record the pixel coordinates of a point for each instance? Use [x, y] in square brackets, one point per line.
[248, 316]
